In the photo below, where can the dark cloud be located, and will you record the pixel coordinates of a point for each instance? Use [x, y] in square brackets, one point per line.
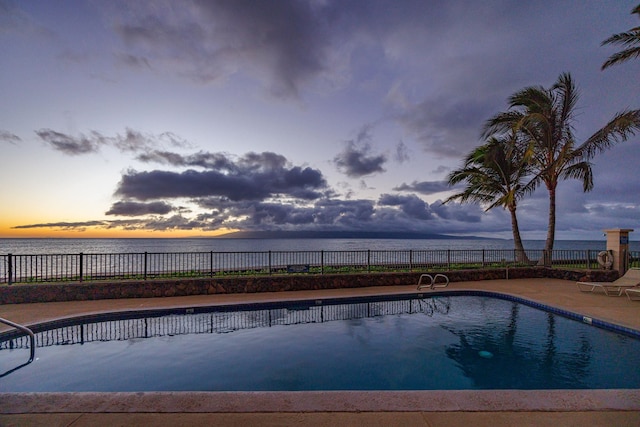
[256, 215]
[411, 205]
[283, 43]
[132, 60]
[354, 214]
[324, 214]
[175, 222]
[402, 153]
[355, 162]
[447, 128]
[67, 144]
[64, 225]
[15, 20]
[134, 141]
[467, 213]
[6, 136]
[164, 157]
[356, 159]
[397, 213]
[129, 208]
[130, 141]
[425, 187]
[255, 176]
[216, 161]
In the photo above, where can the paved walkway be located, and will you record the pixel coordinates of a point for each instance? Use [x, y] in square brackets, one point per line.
[524, 408]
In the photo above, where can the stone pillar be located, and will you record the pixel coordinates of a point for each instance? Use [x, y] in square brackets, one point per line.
[618, 244]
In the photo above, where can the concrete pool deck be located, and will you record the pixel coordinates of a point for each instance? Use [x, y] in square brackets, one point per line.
[430, 408]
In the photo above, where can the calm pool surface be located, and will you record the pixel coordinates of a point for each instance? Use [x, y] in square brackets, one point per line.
[445, 342]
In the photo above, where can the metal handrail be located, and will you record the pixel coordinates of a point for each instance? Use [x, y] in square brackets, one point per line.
[433, 279]
[27, 331]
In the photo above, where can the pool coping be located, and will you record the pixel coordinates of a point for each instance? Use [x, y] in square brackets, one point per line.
[334, 401]
[323, 401]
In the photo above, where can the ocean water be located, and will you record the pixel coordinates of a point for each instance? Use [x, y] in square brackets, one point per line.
[163, 245]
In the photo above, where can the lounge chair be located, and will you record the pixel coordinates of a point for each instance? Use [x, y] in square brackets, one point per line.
[630, 279]
[633, 294]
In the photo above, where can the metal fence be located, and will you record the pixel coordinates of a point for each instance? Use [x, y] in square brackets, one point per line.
[149, 265]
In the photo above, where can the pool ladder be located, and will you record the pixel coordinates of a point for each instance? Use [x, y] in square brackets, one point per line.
[29, 332]
[432, 281]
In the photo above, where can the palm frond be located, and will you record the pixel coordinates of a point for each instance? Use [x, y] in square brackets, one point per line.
[629, 40]
[501, 124]
[622, 56]
[568, 98]
[581, 171]
[620, 128]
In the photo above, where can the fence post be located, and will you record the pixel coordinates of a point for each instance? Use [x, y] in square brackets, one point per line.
[368, 260]
[448, 259]
[483, 262]
[81, 265]
[211, 264]
[322, 262]
[10, 269]
[269, 262]
[410, 260]
[145, 266]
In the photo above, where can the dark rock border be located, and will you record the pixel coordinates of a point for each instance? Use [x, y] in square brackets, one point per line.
[82, 291]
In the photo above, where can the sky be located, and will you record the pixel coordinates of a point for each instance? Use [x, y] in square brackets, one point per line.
[196, 118]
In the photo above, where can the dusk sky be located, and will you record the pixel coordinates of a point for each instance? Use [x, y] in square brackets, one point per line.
[194, 118]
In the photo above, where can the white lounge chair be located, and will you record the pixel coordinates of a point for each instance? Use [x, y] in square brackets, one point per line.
[630, 279]
[633, 294]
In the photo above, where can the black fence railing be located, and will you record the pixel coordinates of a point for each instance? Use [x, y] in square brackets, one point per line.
[149, 265]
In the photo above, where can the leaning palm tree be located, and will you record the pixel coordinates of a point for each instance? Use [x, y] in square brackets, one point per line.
[629, 41]
[494, 174]
[543, 120]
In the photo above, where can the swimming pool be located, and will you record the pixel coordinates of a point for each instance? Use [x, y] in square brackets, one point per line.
[404, 342]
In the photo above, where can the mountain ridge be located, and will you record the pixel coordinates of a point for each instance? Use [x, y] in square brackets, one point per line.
[342, 235]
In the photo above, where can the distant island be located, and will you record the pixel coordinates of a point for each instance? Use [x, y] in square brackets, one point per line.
[342, 235]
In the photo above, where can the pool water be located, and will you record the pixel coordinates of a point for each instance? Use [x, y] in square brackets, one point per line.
[439, 343]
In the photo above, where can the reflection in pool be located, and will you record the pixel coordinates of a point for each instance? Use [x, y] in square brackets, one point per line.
[401, 343]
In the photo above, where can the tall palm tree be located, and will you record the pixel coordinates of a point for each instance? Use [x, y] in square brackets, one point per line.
[543, 121]
[494, 174]
[629, 40]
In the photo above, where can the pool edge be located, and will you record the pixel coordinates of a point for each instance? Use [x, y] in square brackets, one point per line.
[324, 401]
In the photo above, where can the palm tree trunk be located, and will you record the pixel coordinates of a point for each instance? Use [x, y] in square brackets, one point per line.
[551, 228]
[521, 255]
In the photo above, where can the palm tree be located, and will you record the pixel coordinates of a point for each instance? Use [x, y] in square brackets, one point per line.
[494, 174]
[543, 121]
[629, 40]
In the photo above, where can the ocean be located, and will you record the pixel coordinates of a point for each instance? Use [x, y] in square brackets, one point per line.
[166, 245]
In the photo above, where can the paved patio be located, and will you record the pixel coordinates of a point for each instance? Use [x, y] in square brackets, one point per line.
[591, 407]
